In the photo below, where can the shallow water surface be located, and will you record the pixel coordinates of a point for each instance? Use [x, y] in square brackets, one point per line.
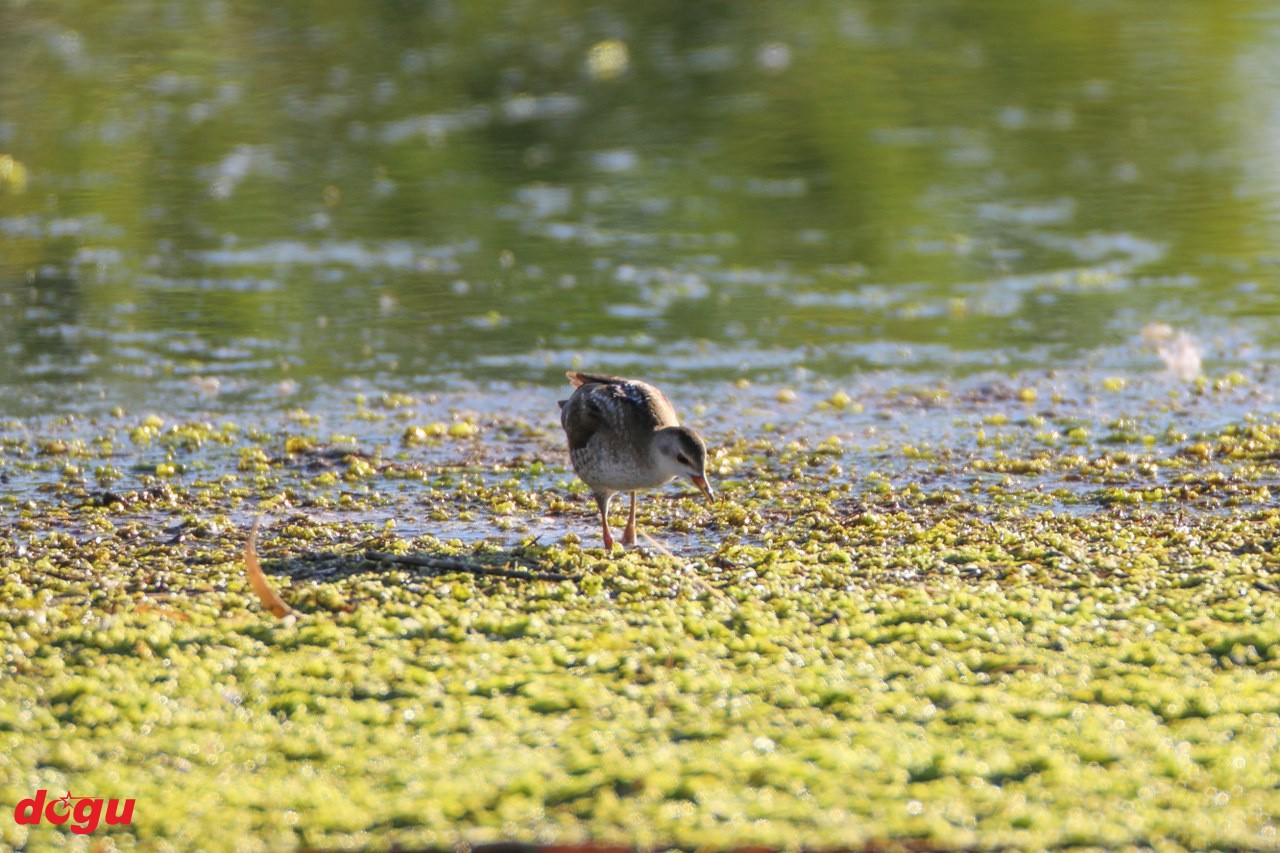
[215, 207]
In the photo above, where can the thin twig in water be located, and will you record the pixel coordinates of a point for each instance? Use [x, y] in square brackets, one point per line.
[445, 564]
[699, 582]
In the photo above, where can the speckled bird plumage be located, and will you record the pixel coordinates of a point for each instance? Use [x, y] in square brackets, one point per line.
[624, 436]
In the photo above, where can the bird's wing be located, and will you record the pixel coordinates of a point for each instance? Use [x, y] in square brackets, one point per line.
[580, 419]
[624, 406]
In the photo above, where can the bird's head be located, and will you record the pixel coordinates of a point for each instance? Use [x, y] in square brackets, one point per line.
[681, 453]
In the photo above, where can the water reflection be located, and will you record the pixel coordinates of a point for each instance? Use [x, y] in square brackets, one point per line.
[308, 192]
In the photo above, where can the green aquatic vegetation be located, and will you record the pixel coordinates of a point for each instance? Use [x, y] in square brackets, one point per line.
[969, 642]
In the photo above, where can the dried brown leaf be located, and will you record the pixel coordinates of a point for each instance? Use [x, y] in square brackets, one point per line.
[270, 600]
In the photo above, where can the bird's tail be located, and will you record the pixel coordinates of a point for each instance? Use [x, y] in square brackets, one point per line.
[578, 379]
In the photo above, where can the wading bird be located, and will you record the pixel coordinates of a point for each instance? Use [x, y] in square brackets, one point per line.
[624, 436]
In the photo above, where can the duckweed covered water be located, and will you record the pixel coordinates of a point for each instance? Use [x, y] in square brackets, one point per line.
[990, 570]
[971, 614]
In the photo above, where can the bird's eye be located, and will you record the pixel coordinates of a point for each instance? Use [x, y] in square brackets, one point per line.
[682, 459]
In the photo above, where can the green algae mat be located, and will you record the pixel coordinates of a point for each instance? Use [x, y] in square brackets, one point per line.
[1041, 615]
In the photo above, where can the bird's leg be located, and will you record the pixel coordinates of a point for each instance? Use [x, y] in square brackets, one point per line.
[629, 535]
[602, 501]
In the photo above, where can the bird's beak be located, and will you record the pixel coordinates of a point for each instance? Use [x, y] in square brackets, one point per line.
[704, 486]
